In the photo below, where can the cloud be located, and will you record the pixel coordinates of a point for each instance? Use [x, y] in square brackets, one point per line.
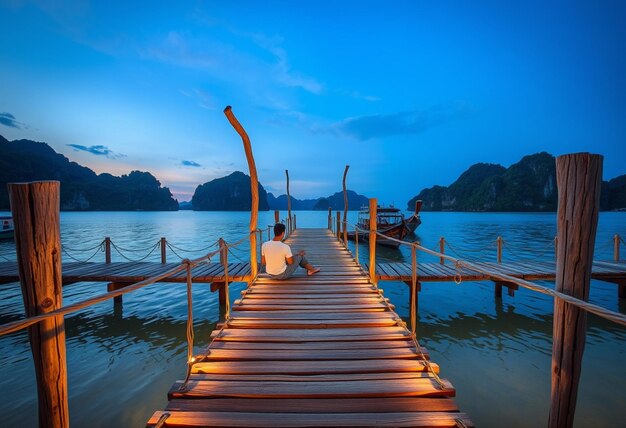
[7, 119]
[98, 150]
[403, 123]
[190, 163]
[253, 61]
[204, 99]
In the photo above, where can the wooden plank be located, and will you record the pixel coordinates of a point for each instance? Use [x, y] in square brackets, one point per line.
[382, 344]
[421, 387]
[305, 355]
[313, 367]
[319, 405]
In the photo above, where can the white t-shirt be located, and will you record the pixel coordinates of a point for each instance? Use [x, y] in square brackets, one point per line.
[275, 253]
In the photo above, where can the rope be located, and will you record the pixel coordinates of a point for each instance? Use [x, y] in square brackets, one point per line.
[526, 257]
[136, 260]
[174, 251]
[82, 250]
[99, 248]
[170, 245]
[235, 256]
[161, 422]
[128, 250]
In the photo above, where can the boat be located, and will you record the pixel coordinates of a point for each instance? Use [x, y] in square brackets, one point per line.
[414, 220]
[389, 222]
[6, 228]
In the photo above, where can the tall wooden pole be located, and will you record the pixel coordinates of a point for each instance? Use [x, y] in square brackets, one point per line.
[35, 208]
[372, 238]
[254, 187]
[338, 227]
[578, 177]
[345, 208]
[276, 216]
[616, 240]
[288, 201]
[330, 219]
[499, 249]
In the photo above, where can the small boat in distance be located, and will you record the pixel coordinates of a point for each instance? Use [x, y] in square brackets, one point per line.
[6, 228]
[414, 220]
[389, 222]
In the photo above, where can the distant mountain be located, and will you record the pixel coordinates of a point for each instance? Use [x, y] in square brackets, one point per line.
[185, 205]
[280, 203]
[81, 188]
[230, 193]
[528, 185]
[335, 202]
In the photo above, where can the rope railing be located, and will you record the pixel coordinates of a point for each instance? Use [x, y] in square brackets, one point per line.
[99, 249]
[119, 251]
[27, 322]
[589, 307]
[82, 250]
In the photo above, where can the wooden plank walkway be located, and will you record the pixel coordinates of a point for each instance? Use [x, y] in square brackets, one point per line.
[325, 350]
[610, 271]
[131, 272]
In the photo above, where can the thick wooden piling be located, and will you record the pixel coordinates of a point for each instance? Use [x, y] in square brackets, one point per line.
[499, 249]
[276, 216]
[35, 208]
[579, 178]
[616, 240]
[372, 239]
[254, 187]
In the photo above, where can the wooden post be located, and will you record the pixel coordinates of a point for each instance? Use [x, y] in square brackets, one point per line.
[294, 222]
[163, 250]
[220, 286]
[330, 219]
[276, 216]
[254, 187]
[345, 208]
[372, 239]
[556, 247]
[35, 208]
[616, 240]
[578, 177]
[338, 230]
[107, 250]
[288, 203]
[442, 249]
[499, 244]
[498, 290]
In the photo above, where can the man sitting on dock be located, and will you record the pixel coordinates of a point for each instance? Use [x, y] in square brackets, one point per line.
[278, 260]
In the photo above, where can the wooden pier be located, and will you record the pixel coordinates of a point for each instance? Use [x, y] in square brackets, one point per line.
[324, 350]
[608, 271]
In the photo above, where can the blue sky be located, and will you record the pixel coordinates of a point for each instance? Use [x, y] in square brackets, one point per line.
[409, 94]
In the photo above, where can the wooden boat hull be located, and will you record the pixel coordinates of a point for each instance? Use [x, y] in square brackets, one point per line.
[398, 232]
[412, 223]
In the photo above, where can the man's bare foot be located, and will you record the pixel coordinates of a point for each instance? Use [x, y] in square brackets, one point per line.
[313, 271]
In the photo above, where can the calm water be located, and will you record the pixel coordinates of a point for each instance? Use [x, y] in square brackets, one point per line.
[122, 362]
